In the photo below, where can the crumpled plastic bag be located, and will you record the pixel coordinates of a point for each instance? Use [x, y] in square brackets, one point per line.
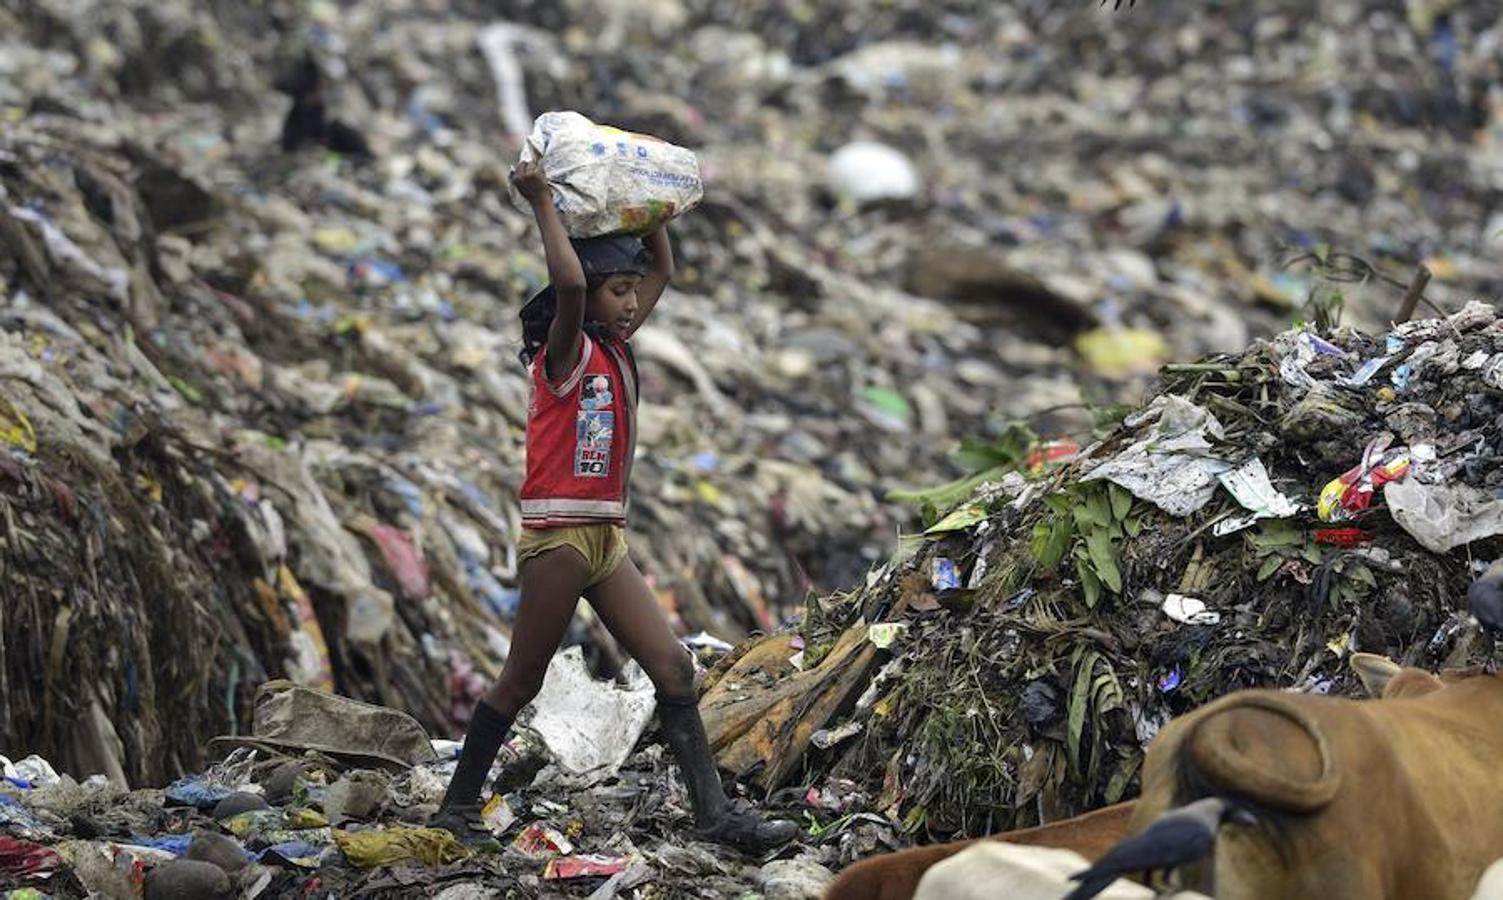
[609, 181]
[590, 726]
[429, 846]
[1443, 517]
[34, 770]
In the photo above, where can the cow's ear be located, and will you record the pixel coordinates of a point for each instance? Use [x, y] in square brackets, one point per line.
[1375, 671]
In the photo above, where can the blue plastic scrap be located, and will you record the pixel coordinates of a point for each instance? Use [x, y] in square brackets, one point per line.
[298, 853]
[176, 844]
[1401, 376]
[1324, 347]
[193, 791]
[946, 576]
[1170, 680]
[1365, 374]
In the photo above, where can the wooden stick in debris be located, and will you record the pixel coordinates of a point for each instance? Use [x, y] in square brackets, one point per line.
[1413, 295]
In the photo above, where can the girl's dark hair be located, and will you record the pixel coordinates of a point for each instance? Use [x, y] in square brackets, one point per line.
[537, 317]
[600, 258]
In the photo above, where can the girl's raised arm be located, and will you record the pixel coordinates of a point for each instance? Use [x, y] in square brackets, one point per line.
[657, 277]
[564, 272]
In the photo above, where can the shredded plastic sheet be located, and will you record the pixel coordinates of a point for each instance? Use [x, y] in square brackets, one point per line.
[1249, 483]
[1172, 466]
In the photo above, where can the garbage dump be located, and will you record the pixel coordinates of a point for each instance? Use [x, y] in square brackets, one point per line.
[1264, 516]
[263, 417]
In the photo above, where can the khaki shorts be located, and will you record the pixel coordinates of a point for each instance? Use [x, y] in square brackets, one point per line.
[603, 546]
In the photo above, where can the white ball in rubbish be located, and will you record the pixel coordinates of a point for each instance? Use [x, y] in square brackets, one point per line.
[866, 171]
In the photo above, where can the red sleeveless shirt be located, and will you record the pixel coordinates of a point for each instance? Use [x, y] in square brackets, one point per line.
[581, 436]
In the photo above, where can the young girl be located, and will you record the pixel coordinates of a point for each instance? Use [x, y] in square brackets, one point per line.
[580, 440]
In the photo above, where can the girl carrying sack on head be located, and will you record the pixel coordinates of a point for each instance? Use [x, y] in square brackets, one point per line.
[580, 439]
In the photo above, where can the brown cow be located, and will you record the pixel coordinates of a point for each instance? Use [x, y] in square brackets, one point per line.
[895, 876]
[1271, 794]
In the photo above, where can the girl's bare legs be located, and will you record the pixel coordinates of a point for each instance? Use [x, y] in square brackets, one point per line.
[627, 608]
[551, 584]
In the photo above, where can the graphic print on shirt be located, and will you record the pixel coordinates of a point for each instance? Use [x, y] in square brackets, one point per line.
[596, 427]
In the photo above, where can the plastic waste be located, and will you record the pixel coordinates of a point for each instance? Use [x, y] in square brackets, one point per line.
[25, 859]
[609, 181]
[588, 725]
[1443, 517]
[1173, 466]
[497, 815]
[1353, 491]
[585, 865]
[427, 846]
[538, 840]
[1249, 483]
[302, 854]
[884, 634]
[1189, 610]
[194, 791]
[31, 772]
[867, 171]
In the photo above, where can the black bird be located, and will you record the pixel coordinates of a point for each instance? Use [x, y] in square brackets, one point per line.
[1485, 599]
[308, 120]
[1179, 836]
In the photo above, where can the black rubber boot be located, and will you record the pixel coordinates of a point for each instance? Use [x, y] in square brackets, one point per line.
[715, 817]
[459, 813]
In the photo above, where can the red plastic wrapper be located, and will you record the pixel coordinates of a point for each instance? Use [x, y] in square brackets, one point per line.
[1051, 452]
[27, 859]
[1345, 538]
[540, 840]
[588, 865]
[1353, 491]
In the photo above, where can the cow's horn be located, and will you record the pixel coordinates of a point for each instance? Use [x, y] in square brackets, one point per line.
[1253, 745]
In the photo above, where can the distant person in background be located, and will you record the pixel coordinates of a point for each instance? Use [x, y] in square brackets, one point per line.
[581, 436]
[308, 121]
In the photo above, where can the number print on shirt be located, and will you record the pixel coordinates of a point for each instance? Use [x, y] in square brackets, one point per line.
[596, 428]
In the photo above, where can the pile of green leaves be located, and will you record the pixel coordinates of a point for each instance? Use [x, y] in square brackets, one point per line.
[1087, 522]
[985, 460]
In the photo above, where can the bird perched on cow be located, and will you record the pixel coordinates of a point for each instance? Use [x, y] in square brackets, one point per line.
[1180, 836]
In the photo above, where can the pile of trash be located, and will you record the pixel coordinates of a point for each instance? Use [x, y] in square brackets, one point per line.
[1261, 518]
[330, 797]
[260, 273]
[262, 417]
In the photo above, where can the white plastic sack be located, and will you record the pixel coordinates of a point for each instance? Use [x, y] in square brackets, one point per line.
[591, 726]
[609, 181]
